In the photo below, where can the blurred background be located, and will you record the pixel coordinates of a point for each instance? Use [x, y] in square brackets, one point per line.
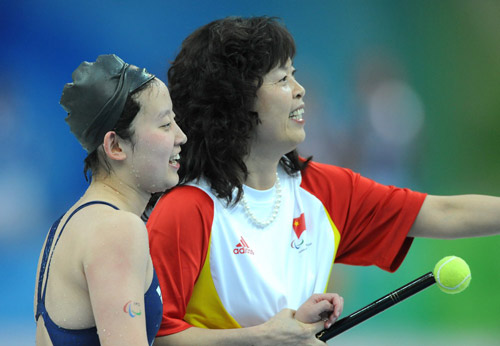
[404, 92]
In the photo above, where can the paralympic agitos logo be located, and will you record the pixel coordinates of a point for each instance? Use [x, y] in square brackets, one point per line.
[132, 308]
[297, 243]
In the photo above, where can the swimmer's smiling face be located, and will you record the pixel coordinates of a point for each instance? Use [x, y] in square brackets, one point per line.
[156, 141]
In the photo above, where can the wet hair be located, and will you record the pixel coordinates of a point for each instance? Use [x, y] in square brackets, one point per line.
[96, 162]
[213, 84]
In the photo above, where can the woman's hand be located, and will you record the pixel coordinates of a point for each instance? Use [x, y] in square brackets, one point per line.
[325, 307]
[284, 329]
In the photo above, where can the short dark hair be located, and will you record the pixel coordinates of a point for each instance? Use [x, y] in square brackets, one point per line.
[92, 162]
[213, 83]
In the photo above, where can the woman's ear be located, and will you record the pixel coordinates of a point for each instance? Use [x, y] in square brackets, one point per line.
[112, 146]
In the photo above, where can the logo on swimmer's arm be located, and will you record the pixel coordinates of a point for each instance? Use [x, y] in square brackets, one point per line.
[132, 308]
[299, 226]
[242, 248]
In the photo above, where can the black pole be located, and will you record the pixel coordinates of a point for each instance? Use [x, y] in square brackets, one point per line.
[377, 306]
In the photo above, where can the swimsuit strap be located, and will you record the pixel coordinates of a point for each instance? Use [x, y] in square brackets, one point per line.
[46, 252]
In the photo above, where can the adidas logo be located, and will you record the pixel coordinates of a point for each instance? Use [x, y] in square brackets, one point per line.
[242, 248]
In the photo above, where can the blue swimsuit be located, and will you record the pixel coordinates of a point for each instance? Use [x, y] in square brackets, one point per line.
[88, 337]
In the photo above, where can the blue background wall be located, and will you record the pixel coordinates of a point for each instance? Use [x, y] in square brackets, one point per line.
[402, 92]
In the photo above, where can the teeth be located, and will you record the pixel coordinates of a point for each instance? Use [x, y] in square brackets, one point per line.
[175, 157]
[297, 114]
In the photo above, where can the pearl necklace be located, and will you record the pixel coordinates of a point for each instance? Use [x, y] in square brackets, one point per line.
[276, 207]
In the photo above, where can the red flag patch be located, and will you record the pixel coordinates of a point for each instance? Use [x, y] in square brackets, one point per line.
[299, 225]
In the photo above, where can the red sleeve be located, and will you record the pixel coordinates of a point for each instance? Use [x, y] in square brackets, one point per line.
[373, 219]
[179, 232]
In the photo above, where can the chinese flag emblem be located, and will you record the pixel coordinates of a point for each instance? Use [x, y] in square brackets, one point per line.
[299, 225]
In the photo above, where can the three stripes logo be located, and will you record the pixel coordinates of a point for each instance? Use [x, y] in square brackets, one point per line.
[242, 248]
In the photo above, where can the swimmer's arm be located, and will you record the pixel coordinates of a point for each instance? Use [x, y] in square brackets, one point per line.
[115, 264]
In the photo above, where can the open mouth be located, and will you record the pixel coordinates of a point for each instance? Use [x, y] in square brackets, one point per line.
[297, 114]
[174, 160]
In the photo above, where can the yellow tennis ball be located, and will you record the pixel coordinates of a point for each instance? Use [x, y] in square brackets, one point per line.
[452, 274]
